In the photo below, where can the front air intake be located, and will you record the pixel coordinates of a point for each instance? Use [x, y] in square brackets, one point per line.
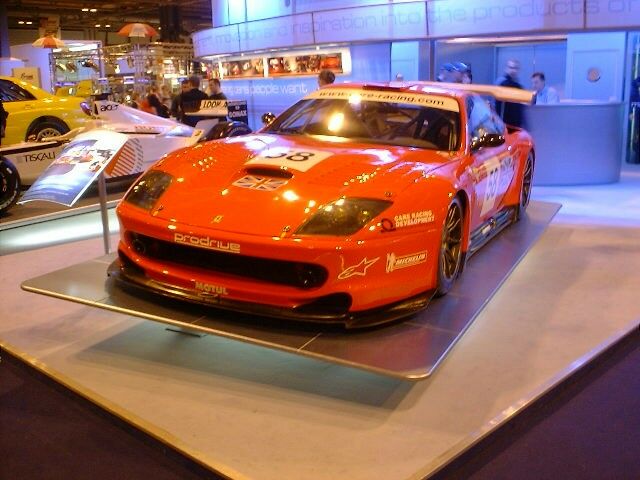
[295, 274]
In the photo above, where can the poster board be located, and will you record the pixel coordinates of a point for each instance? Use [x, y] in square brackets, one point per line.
[76, 167]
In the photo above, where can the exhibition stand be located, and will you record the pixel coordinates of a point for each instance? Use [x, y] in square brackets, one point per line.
[419, 343]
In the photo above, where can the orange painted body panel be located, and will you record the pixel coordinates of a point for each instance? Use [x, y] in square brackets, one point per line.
[221, 199]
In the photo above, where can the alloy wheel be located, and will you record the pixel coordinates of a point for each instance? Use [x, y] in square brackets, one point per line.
[452, 242]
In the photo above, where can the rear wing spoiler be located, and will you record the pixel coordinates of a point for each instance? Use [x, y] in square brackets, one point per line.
[503, 94]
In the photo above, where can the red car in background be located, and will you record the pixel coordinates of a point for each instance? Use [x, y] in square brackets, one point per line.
[355, 206]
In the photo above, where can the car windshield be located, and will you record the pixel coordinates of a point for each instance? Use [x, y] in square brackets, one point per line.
[389, 123]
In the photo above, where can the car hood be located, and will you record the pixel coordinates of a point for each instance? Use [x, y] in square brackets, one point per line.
[270, 184]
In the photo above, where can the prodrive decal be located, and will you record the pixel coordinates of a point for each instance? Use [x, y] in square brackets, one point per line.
[353, 94]
[395, 263]
[206, 242]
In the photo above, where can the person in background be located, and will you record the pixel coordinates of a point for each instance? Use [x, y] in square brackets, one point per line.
[454, 72]
[165, 95]
[543, 93]
[449, 74]
[190, 102]
[174, 110]
[467, 76]
[144, 103]
[216, 90]
[133, 99]
[157, 107]
[326, 77]
[511, 113]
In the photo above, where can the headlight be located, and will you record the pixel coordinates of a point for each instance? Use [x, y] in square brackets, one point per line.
[343, 217]
[146, 192]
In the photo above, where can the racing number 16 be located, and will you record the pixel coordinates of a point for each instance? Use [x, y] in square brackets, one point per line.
[292, 156]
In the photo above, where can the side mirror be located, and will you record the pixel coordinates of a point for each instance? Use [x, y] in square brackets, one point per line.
[267, 118]
[487, 140]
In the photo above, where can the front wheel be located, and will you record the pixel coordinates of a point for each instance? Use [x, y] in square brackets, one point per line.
[450, 255]
[525, 187]
[46, 129]
[9, 185]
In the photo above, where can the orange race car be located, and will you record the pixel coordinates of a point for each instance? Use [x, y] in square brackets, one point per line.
[356, 206]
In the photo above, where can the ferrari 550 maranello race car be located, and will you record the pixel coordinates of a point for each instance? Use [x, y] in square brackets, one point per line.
[149, 137]
[356, 206]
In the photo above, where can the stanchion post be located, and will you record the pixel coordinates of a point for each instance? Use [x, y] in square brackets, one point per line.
[102, 194]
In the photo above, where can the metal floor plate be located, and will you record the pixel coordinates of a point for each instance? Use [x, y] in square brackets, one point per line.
[410, 349]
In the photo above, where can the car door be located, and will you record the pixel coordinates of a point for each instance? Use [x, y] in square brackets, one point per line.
[19, 104]
[492, 165]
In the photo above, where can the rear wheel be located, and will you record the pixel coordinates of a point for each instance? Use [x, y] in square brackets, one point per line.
[525, 187]
[46, 129]
[9, 185]
[450, 256]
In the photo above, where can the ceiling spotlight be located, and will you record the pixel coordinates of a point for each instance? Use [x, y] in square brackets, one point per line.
[85, 9]
[98, 25]
[93, 10]
[20, 22]
[29, 23]
[107, 26]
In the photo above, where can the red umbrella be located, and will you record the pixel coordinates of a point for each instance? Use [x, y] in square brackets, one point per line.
[137, 30]
[48, 42]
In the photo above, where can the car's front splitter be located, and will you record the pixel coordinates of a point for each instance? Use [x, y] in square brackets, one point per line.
[319, 311]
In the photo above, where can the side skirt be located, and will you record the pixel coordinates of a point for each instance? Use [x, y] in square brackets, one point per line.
[490, 228]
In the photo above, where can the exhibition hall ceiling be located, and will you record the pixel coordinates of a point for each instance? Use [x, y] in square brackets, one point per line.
[78, 14]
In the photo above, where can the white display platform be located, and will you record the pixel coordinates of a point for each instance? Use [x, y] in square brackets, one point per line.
[252, 412]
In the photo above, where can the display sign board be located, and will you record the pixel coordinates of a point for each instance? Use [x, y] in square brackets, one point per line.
[451, 18]
[212, 108]
[383, 22]
[292, 64]
[613, 13]
[238, 111]
[215, 41]
[235, 110]
[277, 32]
[28, 74]
[76, 167]
[354, 20]
[243, 68]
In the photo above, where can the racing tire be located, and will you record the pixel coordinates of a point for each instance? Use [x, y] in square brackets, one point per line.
[450, 256]
[47, 128]
[9, 185]
[525, 187]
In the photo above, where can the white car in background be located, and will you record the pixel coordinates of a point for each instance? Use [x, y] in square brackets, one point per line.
[150, 137]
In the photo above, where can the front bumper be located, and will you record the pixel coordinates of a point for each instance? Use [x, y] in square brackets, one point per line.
[365, 279]
[129, 275]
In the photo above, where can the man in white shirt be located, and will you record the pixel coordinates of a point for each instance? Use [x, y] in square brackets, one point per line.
[544, 94]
